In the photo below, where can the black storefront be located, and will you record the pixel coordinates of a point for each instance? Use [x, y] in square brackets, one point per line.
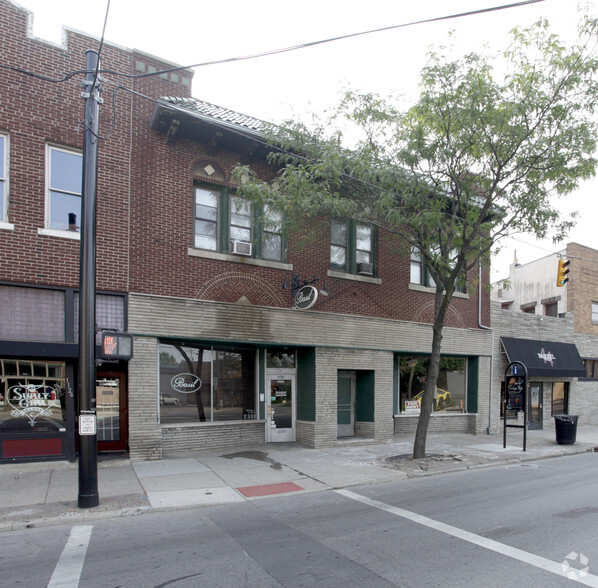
[550, 367]
[39, 374]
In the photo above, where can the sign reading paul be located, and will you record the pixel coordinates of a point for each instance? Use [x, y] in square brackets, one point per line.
[306, 297]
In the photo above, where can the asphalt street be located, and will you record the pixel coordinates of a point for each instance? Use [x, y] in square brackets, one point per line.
[529, 523]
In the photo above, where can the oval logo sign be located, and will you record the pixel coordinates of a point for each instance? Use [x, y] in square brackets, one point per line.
[306, 297]
[185, 383]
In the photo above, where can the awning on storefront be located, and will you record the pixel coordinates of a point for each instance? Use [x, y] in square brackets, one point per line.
[547, 359]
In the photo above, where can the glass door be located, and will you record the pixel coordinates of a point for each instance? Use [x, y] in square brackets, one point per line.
[111, 409]
[535, 406]
[346, 404]
[280, 408]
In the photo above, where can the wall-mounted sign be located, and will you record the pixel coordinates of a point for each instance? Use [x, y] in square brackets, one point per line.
[185, 383]
[306, 297]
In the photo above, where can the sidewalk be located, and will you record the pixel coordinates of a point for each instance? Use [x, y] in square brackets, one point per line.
[37, 494]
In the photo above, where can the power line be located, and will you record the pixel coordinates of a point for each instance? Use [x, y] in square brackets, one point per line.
[281, 50]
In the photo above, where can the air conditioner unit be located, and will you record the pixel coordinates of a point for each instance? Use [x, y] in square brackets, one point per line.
[365, 269]
[241, 248]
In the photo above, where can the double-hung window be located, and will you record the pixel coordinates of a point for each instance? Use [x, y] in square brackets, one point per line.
[206, 219]
[272, 234]
[420, 274]
[3, 177]
[64, 189]
[351, 247]
[228, 224]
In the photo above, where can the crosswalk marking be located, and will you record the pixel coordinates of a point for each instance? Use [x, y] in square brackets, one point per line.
[581, 576]
[70, 565]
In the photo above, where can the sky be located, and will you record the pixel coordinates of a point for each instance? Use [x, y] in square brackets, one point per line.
[293, 84]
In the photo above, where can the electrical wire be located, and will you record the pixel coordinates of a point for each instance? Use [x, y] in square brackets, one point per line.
[284, 49]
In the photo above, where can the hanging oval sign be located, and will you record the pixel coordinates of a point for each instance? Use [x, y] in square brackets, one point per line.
[185, 383]
[306, 297]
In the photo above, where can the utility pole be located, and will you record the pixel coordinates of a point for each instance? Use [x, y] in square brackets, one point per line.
[88, 456]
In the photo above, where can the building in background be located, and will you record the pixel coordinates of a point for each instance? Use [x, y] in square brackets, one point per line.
[244, 331]
[554, 329]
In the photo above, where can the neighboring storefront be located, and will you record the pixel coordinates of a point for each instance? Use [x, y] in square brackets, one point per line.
[551, 367]
[549, 348]
[39, 374]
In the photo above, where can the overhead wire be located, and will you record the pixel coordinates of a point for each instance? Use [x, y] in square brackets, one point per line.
[280, 50]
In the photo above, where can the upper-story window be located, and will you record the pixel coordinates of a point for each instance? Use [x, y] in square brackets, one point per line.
[420, 274]
[226, 223]
[351, 247]
[64, 189]
[3, 177]
[595, 313]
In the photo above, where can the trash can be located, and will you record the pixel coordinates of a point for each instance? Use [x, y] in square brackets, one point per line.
[566, 428]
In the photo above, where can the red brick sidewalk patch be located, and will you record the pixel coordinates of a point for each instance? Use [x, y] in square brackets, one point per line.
[267, 489]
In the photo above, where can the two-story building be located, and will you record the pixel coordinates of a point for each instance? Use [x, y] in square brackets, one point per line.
[244, 331]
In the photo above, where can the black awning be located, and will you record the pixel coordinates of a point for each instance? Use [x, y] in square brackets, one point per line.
[548, 359]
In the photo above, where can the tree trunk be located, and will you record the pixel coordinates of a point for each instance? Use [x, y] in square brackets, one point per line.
[442, 302]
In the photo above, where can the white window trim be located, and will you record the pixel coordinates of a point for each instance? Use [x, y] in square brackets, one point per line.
[47, 230]
[4, 224]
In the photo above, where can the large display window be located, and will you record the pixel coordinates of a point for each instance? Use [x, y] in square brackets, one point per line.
[450, 394]
[32, 396]
[206, 383]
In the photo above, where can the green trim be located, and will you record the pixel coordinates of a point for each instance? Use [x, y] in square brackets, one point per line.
[306, 384]
[364, 396]
[266, 345]
[473, 370]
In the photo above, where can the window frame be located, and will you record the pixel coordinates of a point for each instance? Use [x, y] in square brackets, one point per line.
[350, 247]
[4, 179]
[594, 313]
[225, 209]
[50, 149]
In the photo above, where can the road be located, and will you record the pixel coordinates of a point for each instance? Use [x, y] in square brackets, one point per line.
[531, 523]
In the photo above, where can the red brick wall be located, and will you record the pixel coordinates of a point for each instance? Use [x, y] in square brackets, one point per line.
[145, 196]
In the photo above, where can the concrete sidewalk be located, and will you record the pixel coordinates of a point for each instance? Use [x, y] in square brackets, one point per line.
[38, 494]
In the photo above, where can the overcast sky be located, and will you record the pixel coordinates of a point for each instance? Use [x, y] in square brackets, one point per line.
[291, 84]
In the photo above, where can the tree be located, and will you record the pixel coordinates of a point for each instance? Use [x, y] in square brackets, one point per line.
[477, 158]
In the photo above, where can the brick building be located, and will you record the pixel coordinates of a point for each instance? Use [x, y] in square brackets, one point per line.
[536, 313]
[206, 283]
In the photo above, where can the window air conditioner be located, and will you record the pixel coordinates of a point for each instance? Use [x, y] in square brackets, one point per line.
[241, 248]
[365, 269]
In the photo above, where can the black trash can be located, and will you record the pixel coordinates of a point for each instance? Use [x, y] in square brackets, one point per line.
[566, 428]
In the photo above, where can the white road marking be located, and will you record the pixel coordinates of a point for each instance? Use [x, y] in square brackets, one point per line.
[68, 569]
[535, 560]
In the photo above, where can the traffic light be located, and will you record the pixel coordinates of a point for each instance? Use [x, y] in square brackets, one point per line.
[561, 277]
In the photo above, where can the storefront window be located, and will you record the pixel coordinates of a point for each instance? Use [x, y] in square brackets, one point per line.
[449, 395]
[560, 398]
[32, 396]
[206, 384]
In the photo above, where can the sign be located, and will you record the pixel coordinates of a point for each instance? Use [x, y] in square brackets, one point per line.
[87, 424]
[306, 297]
[185, 383]
[515, 395]
[33, 401]
[117, 346]
[412, 407]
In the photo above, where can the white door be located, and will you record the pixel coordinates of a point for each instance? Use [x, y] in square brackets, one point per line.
[280, 408]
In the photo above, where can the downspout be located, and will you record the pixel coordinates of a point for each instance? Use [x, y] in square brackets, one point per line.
[492, 348]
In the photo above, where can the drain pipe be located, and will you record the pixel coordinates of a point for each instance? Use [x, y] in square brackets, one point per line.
[480, 285]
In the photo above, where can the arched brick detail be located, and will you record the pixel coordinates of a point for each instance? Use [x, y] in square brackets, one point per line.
[426, 315]
[232, 286]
